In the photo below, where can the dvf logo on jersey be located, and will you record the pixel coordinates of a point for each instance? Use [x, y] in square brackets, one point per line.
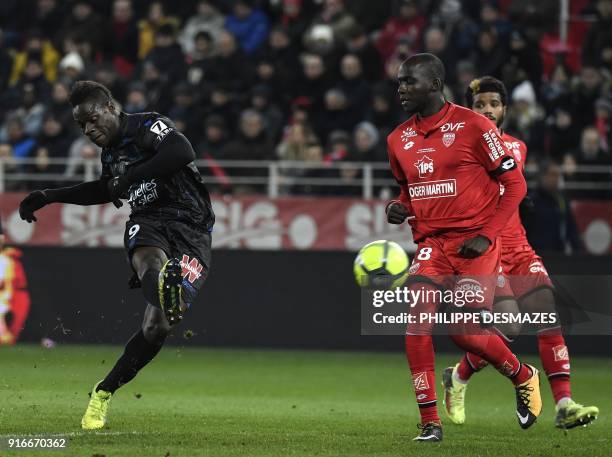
[420, 381]
[452, 127]
[448, 139]
[191, 268]
[425, 166]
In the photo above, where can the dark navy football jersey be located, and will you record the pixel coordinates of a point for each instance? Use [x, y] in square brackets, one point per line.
[180, 195]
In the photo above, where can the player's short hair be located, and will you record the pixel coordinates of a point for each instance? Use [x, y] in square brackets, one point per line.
[486, 84]
[430, 62]
[89, 91]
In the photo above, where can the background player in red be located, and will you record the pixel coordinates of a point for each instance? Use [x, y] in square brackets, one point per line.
[449, 163]
[525, 278]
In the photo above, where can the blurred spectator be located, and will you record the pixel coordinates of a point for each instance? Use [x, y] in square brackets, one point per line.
[599, 36]
[490, 55]
[184, 107]
[230, 65]
[200, 58]
[338, 146]
[384, 111]
[293, 18]
[333, 17]
[585, 92]
[85, 23]
[158, 88]
[80, 152]
[30, 111]
[53, 143]
[121, 38]
[10, 166]
[61, 106]
[167, 54]
[434, 42]
[563, 137]
[206, 19]
[557, 90]
[248, 24]
[591, 153]
[466, 72]
[261, 101]
[104, 74]
[252, 142]
[296, 142]
[156, 17]
[314, 81]
[136, 99]
[72, 66]
[490, 17]
[215, 138]
[523, 62]
[6, 64]
[37, 58]
[223, 104]
[49, 17]
[408, 24]
[280, 53]
[21, 143]
[366, 144]
[360, 45]
[551, 227]
[371, 15]
[526, 117]
[603, 111]
[337, 115]
[354, 85]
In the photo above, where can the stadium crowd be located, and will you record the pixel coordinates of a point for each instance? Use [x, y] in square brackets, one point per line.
[302, 80]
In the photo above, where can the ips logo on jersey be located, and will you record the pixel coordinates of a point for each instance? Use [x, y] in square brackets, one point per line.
[425, 166]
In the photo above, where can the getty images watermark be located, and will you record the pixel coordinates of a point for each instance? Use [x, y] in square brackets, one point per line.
[443, 305]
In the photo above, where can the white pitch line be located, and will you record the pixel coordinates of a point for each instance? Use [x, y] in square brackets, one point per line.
[82, 433]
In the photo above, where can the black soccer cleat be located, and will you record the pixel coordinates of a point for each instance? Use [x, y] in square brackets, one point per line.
[431, 432]
[170, 280]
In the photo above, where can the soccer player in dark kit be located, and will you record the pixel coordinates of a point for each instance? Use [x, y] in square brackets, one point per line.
[168, 235]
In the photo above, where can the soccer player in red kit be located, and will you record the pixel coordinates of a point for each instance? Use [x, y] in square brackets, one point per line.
[449, 163]
[524, 277]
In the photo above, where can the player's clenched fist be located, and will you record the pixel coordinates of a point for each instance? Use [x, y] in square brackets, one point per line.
[474, 247]
[33, 202]
[396, 213]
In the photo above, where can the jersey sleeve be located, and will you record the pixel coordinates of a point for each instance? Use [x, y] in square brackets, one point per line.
[153, 130]
[400, 177]
[490, 150]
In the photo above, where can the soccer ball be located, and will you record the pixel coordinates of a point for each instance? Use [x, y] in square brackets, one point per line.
[381, 264]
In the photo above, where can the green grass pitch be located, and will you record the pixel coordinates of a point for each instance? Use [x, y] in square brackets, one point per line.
[210, 402]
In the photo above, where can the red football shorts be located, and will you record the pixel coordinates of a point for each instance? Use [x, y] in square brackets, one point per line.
[436, 259]
[522, 271]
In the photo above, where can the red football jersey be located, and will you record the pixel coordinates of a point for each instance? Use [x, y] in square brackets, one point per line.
[514, 233]
[449, 167]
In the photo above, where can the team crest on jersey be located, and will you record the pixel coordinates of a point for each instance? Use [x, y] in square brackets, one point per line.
[425, 165]
[420, 381]
[448, 139]
[191, 268]
[560, 353]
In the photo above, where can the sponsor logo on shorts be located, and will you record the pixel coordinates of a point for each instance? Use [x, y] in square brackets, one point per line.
[420, 381]
[537, 267]
[413, 268]
[191, 268]
[421, 396]
[560, 352]
[433, 189]
[565, 366]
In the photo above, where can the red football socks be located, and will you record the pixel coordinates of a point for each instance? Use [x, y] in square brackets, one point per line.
[420, 355]
[555, 360]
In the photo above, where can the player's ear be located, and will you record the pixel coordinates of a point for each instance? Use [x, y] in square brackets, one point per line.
[436, 85]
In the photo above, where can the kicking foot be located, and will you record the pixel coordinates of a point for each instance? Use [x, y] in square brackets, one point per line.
[95, 415]
[454, 396]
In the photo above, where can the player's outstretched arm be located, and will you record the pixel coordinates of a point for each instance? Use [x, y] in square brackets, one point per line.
[87, 193]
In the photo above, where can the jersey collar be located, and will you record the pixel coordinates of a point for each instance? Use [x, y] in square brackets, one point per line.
[426, 125]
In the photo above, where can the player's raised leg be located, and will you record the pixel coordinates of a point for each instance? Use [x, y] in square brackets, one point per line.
[556, 362]
[148, 262]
